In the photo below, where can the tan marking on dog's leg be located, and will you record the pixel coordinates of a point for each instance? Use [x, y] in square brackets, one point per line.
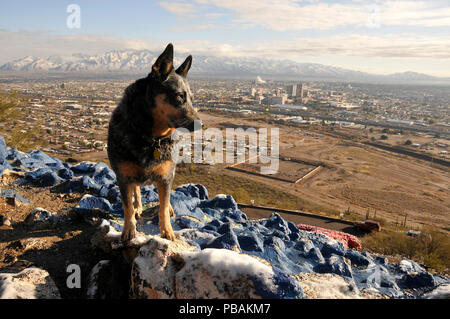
[163, 169]
[164, 215]
[128, 169]
[137, 201]
[129, 225]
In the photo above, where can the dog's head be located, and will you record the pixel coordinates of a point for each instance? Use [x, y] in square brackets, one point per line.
[170, 94]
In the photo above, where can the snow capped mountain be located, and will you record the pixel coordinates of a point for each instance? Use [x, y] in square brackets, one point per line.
[134, 61]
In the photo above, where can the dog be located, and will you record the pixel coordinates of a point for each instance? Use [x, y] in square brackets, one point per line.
[139, 138]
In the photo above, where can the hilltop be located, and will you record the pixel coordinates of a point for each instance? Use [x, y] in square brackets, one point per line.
[269, 258]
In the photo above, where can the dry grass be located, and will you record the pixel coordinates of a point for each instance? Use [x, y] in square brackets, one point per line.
[244, 190]
[21, 136]
[431, 248]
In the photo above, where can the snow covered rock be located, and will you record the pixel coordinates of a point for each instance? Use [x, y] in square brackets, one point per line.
[165, 269]
[331, 286]
[30, 283]
[441, 292]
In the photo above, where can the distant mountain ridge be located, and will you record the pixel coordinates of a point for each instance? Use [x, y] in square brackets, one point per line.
[140, 61]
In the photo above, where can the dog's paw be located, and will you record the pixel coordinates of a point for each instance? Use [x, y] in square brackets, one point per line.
[128, 233]
[168, 234]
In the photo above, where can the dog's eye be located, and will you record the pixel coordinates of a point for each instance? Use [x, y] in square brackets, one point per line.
[181, 97]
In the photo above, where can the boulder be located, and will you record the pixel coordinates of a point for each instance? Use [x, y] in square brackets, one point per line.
[30, 283]
[165, 269]
[331, 286]
[440, 292]
[40, 218]
[108, 280]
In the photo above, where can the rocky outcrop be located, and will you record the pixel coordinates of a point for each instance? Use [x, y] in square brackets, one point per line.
[30, 283]
[218, 247]
[165, 269]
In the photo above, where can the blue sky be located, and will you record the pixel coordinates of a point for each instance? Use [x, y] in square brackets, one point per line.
[379, 36]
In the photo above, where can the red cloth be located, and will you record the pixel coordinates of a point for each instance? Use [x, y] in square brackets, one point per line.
[348, 240]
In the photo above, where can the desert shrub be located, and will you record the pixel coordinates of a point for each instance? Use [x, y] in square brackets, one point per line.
[20, 136]
[431, 247]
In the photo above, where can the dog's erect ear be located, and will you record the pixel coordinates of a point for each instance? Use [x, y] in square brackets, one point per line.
[184, 68]
[164, 64]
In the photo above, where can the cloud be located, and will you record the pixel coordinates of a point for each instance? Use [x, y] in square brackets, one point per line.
[385, 46]
[192, 27]
[283, 15]
[179, 8]
[41, 43]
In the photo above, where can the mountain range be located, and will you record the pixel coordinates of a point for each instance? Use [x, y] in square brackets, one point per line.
[140, 61]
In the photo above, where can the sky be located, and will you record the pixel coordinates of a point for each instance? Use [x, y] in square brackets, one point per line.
[376, 36]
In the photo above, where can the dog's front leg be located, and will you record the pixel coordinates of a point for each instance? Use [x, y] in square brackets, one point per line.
[129, 226]
[137, 201]
[164, 212]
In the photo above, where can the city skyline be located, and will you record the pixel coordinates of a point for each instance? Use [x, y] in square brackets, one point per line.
[381, 37]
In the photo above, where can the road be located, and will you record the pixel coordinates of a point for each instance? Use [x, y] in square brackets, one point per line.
[297, 218]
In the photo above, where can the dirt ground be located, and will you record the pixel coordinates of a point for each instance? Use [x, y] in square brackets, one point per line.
[50, 248]
[360, 177]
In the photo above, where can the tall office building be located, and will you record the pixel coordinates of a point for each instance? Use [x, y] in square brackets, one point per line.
[300, 90]
[296, 90]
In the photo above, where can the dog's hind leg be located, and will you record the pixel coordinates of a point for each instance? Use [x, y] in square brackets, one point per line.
[129, 226]
[137, 201]
[171, 211]
[164, 212]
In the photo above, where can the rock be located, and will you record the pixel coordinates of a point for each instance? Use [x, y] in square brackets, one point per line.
[441, 292]
[154, 268]
[250, 242]
[108, 280]
[39, 218]
[3, 156]
[194, 190]
[5, 221]
[90, 202]
[417, 280]
[336, 265]
[30, 283]
[330, 286]
[165, 269]
[357, 258]
[12, 194]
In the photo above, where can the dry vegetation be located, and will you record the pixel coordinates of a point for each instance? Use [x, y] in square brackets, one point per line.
[431, 247]
[17, 133]
[244, 190]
